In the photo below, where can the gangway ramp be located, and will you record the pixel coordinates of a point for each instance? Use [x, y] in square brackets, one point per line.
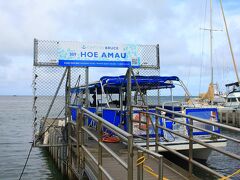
[122, 160]
[115, 170]
[86, 151]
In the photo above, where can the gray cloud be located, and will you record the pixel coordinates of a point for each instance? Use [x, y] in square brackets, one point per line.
[5, 61]
[172, 24]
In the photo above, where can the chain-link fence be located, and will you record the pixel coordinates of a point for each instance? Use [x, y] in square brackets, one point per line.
[152, 97]
[47, 76]
[46, 80]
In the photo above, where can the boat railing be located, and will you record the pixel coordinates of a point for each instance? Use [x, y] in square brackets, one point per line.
[172, 103]
[161, 113]
[143, 111]
[83, 131]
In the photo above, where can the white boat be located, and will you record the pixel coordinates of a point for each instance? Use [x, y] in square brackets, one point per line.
[233, 97]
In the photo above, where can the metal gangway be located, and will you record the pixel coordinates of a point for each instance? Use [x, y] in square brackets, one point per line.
[99, 160]
[89, 155]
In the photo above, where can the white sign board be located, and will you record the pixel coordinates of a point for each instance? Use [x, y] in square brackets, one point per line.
[98, 55]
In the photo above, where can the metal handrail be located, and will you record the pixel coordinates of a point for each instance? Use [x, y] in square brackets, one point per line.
[198, 128]
[201, 143]
[128, 138]
[190, 137]
[195, 119]
[145, 113]
[170, 102]
[200, 119]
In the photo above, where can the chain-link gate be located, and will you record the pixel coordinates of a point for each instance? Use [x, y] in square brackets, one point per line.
[47, 77]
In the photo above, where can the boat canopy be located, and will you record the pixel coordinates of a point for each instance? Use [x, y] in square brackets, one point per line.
[232, 84]
[113, 84]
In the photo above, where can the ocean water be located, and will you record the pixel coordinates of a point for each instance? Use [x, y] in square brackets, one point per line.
[223, 164]
[16, 133]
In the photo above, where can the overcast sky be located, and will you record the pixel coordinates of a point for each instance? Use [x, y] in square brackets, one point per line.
[173, 24]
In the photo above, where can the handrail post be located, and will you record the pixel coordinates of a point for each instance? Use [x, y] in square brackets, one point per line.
[81, 131]
[140, 166]
[69, 148]
[130, 119]
[129, 103]
[147, 127]
[130, 157]
[99, 127]
[160, 168]
[78, 139]
[156, 133]
[190, 148]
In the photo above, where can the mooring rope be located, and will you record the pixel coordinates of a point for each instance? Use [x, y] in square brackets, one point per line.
[231, 175]
[147, 168]
[30, 150]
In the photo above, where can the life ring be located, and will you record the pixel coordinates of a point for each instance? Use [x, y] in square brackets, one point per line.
[111, 139]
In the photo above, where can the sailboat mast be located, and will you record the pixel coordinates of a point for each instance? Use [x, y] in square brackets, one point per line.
[229, 42]
[211, 38]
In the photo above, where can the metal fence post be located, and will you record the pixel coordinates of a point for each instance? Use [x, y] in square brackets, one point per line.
[68, 119]
[147, 127]
[99, 126]
[140, 166]
[156, 133]
[87, 102]
[69, 149]
[81, 131]
[87, 84]
[190, 148]
[78, 140]
[129, 103]
[160, 168]
[130, 118]
[130, 157]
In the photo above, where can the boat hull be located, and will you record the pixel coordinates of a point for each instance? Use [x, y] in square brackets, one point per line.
[199, 152]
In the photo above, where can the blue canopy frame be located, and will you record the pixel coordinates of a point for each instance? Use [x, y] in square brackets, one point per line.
[112, 84]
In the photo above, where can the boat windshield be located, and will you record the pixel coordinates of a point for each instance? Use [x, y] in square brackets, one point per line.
[233, 100]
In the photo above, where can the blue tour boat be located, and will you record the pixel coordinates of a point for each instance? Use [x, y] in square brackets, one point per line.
[108, 99]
